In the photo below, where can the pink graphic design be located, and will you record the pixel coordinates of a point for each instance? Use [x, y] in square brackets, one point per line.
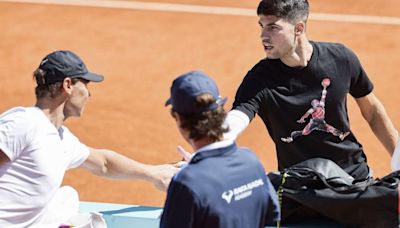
[317, 121]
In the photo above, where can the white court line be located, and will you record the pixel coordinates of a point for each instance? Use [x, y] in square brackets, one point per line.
[171, 7]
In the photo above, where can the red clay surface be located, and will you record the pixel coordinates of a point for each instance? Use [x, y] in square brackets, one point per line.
[140, 52]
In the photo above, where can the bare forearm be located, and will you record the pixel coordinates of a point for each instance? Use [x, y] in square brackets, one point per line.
[237, 122]
[375, 114]
[117, 166]
[384, 129]
[110, 164]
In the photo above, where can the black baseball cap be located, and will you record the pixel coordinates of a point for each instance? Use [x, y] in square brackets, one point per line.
[187, 87]
[62, 64]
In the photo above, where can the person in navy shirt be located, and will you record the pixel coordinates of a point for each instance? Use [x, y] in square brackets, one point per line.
[222, 185]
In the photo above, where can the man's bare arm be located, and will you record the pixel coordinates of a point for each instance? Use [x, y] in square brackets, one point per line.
[110, 164]
[375, 114]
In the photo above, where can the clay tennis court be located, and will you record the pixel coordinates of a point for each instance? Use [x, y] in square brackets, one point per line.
[140, 51]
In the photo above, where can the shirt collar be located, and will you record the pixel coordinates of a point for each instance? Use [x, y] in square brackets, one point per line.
[213, 149]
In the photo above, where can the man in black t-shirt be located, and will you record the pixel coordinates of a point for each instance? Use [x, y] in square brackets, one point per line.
[281, 87]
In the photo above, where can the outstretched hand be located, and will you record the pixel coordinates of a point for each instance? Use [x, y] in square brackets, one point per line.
[186, 155]
[162, 174]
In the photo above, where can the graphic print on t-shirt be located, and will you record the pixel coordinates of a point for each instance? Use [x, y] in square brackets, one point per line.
[317, 121]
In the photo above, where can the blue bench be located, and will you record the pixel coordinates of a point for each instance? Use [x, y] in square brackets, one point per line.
[131, 216]
[124, 215]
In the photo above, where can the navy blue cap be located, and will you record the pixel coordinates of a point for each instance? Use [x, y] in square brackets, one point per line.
[62, 64]
[187, 87]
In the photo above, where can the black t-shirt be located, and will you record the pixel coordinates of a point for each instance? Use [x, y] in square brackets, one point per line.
[281, 95]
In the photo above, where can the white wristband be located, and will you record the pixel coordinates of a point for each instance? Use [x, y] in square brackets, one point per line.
[237, 122]
[395, 162]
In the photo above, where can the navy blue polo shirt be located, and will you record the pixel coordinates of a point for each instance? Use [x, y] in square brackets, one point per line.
[222, 186]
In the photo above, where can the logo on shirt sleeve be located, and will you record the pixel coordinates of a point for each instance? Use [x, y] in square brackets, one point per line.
[242, 191]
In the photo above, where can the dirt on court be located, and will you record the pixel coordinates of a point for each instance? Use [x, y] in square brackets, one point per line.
[141, 51]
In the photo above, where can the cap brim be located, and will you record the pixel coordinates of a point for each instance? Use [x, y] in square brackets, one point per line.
[222, 101]
[93, 77]
[168, 102]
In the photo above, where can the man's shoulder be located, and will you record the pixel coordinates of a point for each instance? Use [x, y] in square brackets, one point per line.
[189, 173]
[259, 72]
[21, 123]
[261, 66]
[327, 44]
[329, 47]
[249, 159]
[247, 153]
[206, 169]
[19, 110]
[22, 115]
[187, 180]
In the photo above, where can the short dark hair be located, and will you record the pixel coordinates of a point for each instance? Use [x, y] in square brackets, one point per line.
[206, 124]
[291, 10]
[42, 89]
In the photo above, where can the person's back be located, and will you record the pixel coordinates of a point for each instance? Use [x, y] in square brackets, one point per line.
[223, 185]
[226, 187]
